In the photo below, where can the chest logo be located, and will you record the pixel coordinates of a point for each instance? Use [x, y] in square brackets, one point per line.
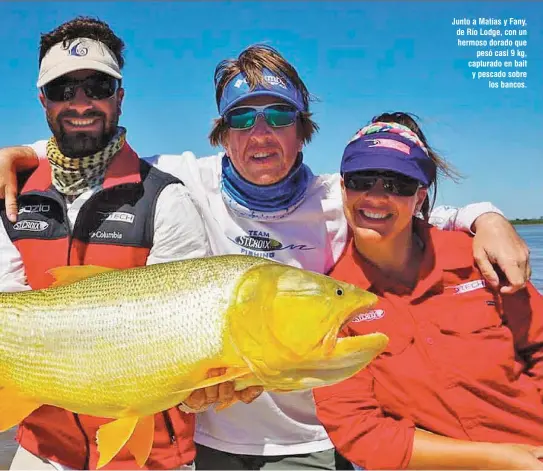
[35, 208]
[260, 241]
[32, 226]
[262, 244]
[117, 216]
[469, 286]
[369, 316]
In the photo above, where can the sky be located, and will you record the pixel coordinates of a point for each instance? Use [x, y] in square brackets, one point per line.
[357, 58]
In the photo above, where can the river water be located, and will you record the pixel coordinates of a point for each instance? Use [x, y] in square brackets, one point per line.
[533, 235]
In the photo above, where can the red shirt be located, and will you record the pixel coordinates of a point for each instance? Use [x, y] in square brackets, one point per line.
[462, 361]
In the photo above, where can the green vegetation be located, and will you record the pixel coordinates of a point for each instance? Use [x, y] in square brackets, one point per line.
[520, 222]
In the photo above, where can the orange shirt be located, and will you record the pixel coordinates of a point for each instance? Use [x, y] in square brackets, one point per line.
[462, 361]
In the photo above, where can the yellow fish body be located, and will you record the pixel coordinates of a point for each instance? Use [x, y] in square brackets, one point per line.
[126, 344]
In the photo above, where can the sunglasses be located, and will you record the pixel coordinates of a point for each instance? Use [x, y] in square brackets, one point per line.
[277, 115]
[393, 183]
[96, 87]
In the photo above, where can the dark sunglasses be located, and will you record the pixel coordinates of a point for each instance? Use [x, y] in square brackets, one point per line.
[96, 87]
[277, 115]
[393, 183]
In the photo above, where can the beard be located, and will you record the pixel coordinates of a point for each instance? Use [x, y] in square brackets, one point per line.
[81, 144]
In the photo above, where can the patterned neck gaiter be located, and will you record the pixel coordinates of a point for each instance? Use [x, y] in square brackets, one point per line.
[73, 176]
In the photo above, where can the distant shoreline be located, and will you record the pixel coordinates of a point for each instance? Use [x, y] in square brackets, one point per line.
[522, 222]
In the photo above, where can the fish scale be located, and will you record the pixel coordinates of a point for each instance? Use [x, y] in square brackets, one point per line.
[126, 344]
[132, 324]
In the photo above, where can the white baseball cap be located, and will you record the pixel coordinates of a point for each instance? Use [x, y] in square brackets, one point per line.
[77, 54]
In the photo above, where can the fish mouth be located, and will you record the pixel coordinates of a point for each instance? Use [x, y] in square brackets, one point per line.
[338, 358]
[331, 339]
[350, 355]
[346, 356]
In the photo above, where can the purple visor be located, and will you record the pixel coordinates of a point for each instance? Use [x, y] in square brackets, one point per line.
[391, 152]
[279, 86]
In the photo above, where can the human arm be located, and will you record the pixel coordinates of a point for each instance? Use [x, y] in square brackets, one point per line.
[14, 160]
[358, 427]
[432, 451]
[179, 228]
[20, 159]
[365, 435]
[12, 272]
[495, 243]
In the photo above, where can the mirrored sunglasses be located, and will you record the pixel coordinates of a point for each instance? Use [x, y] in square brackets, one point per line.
[277, 115]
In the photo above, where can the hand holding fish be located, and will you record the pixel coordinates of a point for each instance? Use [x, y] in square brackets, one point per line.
[223, 395]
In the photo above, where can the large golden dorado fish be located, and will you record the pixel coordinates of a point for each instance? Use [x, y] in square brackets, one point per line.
[126, 344]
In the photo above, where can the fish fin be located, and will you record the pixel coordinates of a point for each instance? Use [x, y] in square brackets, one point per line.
[229, 375]
[224, 405]
[141, 441]
[111, 437]
[14, 408]
[247, 381]
[71, 274]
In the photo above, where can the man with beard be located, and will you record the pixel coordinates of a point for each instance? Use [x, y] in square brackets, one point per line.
[93, 202]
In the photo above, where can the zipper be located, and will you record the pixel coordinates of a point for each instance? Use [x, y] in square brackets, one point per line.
[56, 196]
[76, 416]
[167, 419]
[169, 426]
[86, 438]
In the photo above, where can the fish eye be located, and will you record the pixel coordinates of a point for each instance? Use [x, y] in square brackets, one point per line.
[339, 292]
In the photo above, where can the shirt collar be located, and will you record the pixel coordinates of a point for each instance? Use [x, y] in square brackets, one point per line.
[443, 252]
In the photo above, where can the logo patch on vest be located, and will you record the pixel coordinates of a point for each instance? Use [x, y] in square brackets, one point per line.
[35, 208]
[106, 235]
[117, 216]
[369, 316]
[30, 225]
